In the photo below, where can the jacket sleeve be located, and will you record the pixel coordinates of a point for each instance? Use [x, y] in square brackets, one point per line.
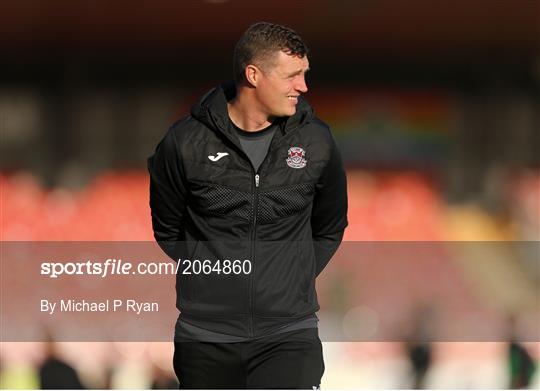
[329, 214]
[168, 196]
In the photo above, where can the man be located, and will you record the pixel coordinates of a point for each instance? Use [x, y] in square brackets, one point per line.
[249, 194]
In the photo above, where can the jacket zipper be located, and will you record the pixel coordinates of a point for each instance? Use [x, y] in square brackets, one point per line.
[253, 236]
[253, 230]
[255, 211]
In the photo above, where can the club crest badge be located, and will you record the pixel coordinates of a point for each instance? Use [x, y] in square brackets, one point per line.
[296, 157]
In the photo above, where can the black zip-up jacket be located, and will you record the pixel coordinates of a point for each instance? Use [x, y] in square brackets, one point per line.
[211, 206]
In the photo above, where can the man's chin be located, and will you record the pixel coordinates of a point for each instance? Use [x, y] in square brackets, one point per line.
[291, 112]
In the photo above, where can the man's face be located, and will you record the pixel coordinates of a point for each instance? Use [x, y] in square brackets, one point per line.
[279, 87]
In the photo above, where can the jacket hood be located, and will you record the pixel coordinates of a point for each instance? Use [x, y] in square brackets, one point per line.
[211, 110]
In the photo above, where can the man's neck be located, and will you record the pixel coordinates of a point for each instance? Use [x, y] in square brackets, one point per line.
[245, 113]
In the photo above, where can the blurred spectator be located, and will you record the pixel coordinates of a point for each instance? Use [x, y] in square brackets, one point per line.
[56, 374]
[521, 366]
[520, 363]
[419, 354]
[418, 346]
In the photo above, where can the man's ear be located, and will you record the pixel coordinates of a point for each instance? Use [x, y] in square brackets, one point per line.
[252, 75]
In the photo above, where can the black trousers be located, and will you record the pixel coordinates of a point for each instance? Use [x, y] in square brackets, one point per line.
[291, 360]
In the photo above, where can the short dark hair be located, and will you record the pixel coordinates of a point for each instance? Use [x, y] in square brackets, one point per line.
[260, 42]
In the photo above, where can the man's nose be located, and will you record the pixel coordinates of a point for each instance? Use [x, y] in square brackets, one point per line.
[301, 85]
